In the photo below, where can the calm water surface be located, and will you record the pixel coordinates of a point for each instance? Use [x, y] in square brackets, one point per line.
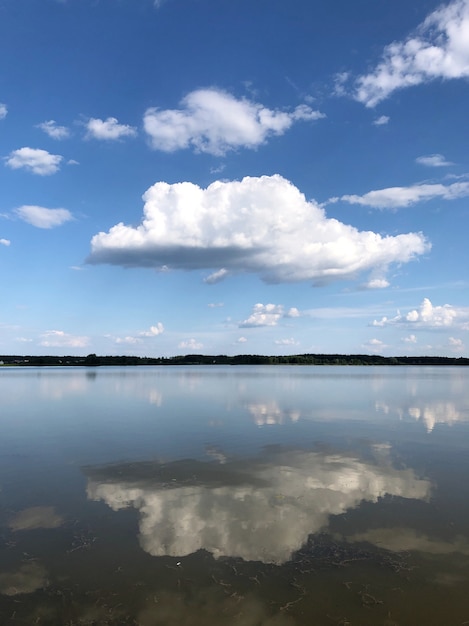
[248, 496]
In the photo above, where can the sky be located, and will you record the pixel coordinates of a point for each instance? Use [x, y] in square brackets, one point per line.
[206, 176]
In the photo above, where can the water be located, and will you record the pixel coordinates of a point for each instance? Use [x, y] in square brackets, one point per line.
[273, 496]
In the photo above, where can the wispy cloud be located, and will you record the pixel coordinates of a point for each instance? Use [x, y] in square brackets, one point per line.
[262, 225]
[214, 121]
[60, 339]
[190, 344]
[3, 111]
[433, 160]
[34, 160]
[108, 129]
[42, 217]
[398, 197]
[382, 120]
[439, 49]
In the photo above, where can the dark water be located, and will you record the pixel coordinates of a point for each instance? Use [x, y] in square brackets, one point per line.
[249, 496]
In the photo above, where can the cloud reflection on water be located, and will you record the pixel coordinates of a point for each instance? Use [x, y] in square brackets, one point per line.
[261, 510]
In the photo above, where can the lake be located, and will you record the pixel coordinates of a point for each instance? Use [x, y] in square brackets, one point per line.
[249, 496]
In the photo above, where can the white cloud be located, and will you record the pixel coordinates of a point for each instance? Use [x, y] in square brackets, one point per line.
[215, 305]
[34, 160]
[216, 277]
[410, 339]
[43, 218]
[376, 283]
[429, 316]
[128, 340]
[433, 160]
[439, 49]
[191, 344]
[374, 345]
[3, 111]
[154, 331]
[262, 225]
[54, 130]
[263, 315]
[397, 197]
[215, 122]
[108, 129]
[241, 340]
[4, 242]
[381, 121]
[282, 499]
[286, 342]
[59, 339]
[292, 312]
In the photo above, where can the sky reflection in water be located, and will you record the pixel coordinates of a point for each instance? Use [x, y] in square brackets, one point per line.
[179, 493]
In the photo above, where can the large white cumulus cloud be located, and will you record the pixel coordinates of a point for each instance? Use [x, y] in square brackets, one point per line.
[263, 225]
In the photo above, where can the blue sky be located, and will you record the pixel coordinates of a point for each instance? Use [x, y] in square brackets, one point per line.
[226, 177]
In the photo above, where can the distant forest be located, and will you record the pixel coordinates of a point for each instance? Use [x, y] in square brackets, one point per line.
[241, 359]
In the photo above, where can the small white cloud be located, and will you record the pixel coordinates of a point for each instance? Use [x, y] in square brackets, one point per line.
[4, 242]
[215, 305]
[263, 315]
[216, 277]
[375, 346]
[292, 312]
[410, 339]
[72, 162]
[457, 345]
[60, 339]
[3, 111]
[154, 331]
[397, 197]
[54, 130]
[191, 344]
[241, 340]
[108, 129]
[214, 121]
[433, 160]
[382, 120]
[439, 49]
[377, 283]
[34, 160]
[43, 218]
[261, 225]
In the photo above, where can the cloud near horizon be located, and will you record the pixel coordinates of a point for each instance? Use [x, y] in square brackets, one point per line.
[439, 49]
[214, 121]
[60, 339]
[259, 225]
[430, 317]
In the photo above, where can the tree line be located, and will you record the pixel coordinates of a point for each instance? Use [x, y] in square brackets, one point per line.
[92, 360]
